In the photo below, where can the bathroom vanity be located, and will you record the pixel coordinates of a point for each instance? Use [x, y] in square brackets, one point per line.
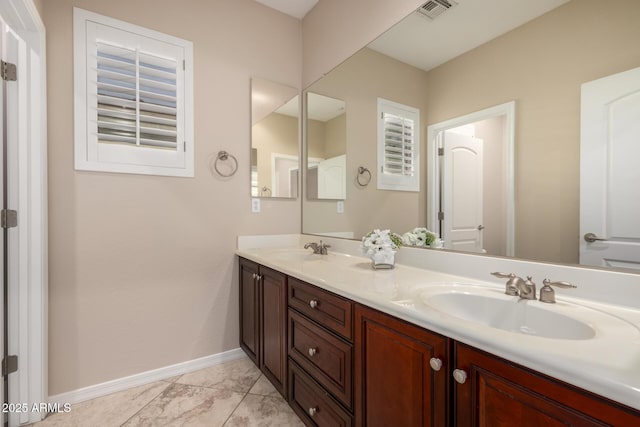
[350, 347]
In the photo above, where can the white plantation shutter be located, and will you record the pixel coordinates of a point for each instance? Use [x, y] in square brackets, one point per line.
[398, 146]
[137, 111]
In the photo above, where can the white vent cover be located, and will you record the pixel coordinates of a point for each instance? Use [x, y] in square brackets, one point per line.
[434, 8]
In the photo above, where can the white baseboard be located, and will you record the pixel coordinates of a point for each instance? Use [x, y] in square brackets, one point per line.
[98, 390]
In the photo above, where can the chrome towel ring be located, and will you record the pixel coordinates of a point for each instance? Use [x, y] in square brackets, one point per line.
[224, 156]
[363, 177]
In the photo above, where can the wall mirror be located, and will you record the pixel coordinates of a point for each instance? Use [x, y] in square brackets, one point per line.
[274, 139]
[539, 58]
[326, 147]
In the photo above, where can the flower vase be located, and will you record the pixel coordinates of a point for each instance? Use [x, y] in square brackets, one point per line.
[383, 260]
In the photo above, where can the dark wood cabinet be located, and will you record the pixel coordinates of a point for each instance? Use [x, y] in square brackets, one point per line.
[263, 320]
[500, 393]
[395, 384]
[250, 310]
[320, 355]
[339, 363]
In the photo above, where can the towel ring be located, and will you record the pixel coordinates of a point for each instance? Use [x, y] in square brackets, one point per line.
[224, 156]
[265, 192]
[363, 177]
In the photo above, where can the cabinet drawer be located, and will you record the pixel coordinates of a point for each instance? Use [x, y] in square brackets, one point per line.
[311, 403]
[331, 311]
[326, 357]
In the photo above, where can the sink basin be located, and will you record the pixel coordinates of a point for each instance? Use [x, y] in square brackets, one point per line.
[525, 317]
[492, 308]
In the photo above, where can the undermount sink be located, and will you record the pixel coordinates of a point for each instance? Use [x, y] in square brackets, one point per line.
[492, 308]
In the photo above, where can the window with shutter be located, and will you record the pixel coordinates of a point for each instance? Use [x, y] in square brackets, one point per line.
[134, 98]
[398, 146]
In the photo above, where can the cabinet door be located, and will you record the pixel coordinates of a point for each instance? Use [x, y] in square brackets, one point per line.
[249, 309]
[274, 327]
[499, 393]
[395, 384]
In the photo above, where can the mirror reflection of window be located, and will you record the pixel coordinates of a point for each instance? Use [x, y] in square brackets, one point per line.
[327, 148]
[274, 139]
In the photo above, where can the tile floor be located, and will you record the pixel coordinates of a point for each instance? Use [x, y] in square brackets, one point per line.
[233, 394]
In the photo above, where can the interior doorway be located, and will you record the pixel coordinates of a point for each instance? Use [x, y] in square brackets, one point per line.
[24, 202]
[470, 188]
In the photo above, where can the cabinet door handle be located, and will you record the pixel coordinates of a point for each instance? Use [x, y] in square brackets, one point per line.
[436, 363]
[313, 303]
[312, 411]
[312, 351]
[255, 276]
[460, 376]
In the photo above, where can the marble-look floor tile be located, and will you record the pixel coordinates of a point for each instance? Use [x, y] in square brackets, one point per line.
[264, 387]
[263, 411]
[238, 375]
[106, 411]
[183, 405]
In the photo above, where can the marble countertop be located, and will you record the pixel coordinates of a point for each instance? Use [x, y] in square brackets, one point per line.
[607, 364]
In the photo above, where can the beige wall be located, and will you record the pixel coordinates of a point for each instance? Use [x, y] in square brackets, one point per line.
[336, 136]
[336, 29]
[141, 269]
[368, 208]
[541, 65]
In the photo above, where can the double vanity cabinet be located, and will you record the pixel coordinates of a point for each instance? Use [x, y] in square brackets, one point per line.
[342, 363]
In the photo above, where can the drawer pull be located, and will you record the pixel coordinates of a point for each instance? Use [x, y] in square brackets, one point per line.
[460, 376]
[312, 411]
[312, 351]
[313, 303]
[436, 364]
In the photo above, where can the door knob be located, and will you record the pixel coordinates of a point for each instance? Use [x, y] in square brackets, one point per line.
[481, 227]
[590, 238]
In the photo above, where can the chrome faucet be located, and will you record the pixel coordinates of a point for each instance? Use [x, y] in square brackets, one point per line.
[318, 248]
[525, 289]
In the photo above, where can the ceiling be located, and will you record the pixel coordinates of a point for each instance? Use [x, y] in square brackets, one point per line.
[296, 8]
[426, 43]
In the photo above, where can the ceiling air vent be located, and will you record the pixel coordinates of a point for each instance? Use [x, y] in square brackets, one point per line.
[434, 8]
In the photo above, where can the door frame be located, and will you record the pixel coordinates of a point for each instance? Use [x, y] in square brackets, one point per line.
[508, 110]
[27, 187]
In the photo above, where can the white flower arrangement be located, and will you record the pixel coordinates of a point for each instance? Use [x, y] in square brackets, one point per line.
[420, 236]
[380, 241]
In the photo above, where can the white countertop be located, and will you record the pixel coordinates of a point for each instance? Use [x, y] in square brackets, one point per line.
[607, 364]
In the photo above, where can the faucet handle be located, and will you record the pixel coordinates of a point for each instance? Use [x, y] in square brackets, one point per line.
[503, 275]
[547, 294]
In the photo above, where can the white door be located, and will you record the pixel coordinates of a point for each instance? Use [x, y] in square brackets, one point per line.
[462, 192]
[610, 171]
[332, 178]
[3, 232]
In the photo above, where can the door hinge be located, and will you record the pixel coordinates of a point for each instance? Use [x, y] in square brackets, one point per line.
[440, 216]
[9, 365]
[8, 218]
[8, 71]
[440, 151]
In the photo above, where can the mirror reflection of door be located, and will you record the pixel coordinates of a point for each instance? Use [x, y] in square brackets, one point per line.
[609, 172]
[274, 139]
[327, 148]
[471, 181]
[462, 192]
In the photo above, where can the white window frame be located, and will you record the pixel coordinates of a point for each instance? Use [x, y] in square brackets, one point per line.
[91, 155]
[398, 182]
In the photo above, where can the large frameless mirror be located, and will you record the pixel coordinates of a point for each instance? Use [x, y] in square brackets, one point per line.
[275, 162]
[505, 165]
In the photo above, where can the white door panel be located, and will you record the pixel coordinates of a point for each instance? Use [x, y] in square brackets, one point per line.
[462, 192]
[609, 170]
